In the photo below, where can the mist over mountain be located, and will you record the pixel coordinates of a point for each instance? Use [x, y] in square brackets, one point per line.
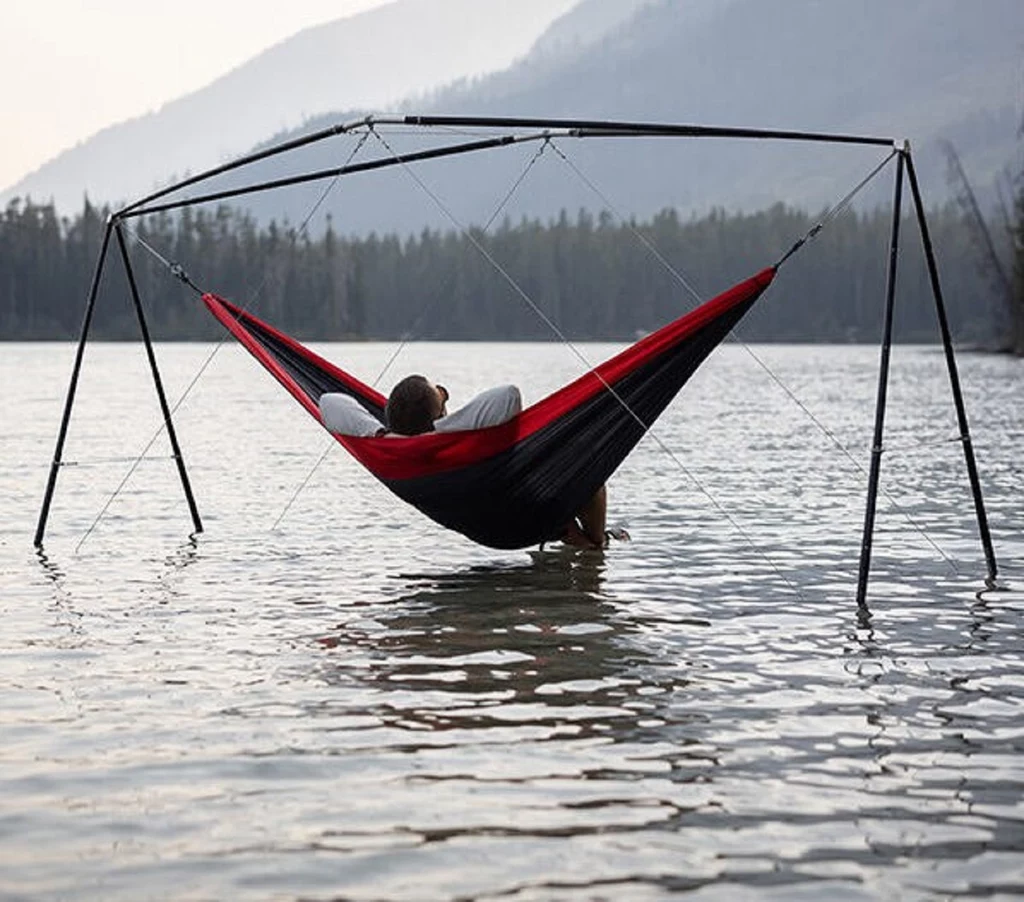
[926, 70]
[371, 60]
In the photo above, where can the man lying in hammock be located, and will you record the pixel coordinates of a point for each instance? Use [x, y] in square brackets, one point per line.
[416, 405]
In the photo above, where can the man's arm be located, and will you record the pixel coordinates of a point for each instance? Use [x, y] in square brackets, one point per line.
[344, 415]
[490, 408]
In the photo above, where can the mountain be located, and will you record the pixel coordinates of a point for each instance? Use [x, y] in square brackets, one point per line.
[926, 70]
[369, 61]
[586, 23]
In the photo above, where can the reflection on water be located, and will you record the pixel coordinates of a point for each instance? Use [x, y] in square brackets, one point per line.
[528, 703]
[360, 706]
[492, 646]
[528, 692]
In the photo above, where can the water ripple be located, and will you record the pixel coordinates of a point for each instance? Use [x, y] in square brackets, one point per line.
[359, 706]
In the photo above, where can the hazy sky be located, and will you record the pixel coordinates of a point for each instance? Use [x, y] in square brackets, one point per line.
[69, 68]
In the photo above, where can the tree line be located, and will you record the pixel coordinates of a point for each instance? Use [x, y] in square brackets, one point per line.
[592, 275]
[1014, 332]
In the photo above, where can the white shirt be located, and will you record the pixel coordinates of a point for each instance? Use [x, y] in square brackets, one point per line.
[344, 415]
[489, 408]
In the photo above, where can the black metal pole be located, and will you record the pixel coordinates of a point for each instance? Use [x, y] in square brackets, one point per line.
[295, 143]
[954, 378]
[581, 128]
[164, 408]
[381, 163]
[608, 128]
[883, 384]
[69, 401]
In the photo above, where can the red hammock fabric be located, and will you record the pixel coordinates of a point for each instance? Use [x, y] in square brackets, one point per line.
[540, 467]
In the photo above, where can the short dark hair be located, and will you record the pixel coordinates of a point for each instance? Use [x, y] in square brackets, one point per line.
[410, 408]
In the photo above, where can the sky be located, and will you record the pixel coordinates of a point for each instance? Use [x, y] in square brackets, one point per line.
[70, 68]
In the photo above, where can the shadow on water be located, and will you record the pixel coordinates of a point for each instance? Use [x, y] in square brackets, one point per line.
[537, 645]
[509, 708]
[493, 627]
[541, 662]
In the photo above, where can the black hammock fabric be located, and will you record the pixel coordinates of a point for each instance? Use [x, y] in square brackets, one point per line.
[520, 483]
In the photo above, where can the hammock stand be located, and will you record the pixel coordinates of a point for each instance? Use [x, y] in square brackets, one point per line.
[539, 129]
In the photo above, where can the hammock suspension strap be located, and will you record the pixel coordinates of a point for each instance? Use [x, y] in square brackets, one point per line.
[173, 267]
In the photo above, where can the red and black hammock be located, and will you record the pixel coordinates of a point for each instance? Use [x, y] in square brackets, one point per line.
[519, 483]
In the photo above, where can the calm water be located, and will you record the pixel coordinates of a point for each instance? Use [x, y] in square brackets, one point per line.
[358, 705]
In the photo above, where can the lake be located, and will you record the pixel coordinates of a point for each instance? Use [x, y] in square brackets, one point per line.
[327, 696]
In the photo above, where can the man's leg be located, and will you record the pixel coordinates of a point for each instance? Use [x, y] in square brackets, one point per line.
[592, 517]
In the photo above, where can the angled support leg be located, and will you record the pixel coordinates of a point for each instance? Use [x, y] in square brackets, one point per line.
[954, 378]
[883, 385]
[164, 408]
[69, 400]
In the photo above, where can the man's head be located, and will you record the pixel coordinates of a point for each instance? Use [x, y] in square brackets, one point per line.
[414, 404]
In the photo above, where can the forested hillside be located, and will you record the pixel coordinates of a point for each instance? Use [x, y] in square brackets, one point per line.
[597, 278]
[924, 70]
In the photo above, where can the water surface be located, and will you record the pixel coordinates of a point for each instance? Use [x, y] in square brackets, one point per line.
[356, 704]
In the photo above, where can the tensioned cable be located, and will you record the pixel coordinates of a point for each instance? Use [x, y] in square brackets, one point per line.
[99, 461]
[648, 429]
[176, 269]
[906, 447]
[484, 230]
[679, 277]
[405, 341]
[813, 233]
[829, 215]
[835, 210]
[180, 273]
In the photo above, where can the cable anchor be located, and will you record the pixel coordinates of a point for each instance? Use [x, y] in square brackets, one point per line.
[178, 271]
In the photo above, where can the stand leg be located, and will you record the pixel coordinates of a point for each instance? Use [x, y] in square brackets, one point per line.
[164, 408]
[954, 378]
[883, 384]
[69, 401]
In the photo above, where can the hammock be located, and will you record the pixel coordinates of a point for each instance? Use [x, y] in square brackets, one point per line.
[519, 483]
